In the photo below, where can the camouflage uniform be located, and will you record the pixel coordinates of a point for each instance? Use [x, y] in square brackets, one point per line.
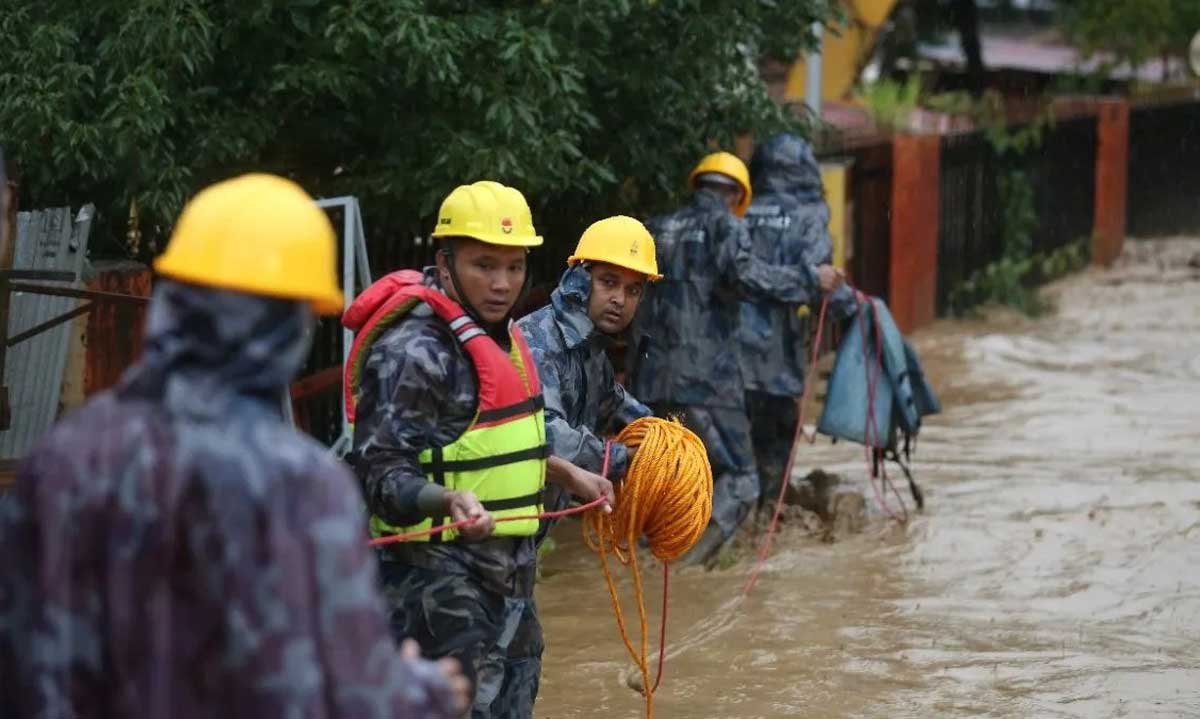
[583, 399]
[684, 362]
[174, 549]
[418, 390]
[789, 225]
[513, 671]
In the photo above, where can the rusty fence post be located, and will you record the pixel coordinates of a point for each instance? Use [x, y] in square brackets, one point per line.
[916, 178]
[1112, 180]
[8, 241]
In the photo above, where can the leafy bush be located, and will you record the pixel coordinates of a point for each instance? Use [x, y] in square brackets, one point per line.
[891, 103]
[588, 107]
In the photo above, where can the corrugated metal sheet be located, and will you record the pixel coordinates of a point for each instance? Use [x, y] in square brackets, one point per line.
[33, 371]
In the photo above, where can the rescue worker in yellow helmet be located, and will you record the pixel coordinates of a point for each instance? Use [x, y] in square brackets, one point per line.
[591, 308]
[789, 223]
[686, 360]
[724, 175]
[173, 548]
[449, 427]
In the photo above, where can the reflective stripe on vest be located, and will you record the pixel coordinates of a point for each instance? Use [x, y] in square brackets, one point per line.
[501, 457]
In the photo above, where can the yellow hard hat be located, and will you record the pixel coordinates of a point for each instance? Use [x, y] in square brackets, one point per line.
[731, 166]
[621, 241]
[489, 212]
[259, 234]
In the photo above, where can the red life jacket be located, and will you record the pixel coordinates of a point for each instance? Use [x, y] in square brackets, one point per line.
[501, 455]
[502, 385]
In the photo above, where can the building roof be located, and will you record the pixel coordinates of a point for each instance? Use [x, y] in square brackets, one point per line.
[1042, 54]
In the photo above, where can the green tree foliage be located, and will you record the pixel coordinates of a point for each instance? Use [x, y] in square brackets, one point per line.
[1131, 31]
[589, 107]
[891, 103]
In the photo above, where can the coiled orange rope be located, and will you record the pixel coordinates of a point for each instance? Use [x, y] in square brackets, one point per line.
[667, 497]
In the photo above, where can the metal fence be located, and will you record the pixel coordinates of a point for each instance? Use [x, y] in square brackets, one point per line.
[320, 413]
[51, 240]
[1062, 171]
[1164, 169]
[1061, 175]
[969, 236]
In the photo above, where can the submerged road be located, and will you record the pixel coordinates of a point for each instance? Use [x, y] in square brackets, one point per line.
[1055, 572]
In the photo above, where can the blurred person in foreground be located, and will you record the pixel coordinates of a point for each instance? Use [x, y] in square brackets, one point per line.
[173, 548]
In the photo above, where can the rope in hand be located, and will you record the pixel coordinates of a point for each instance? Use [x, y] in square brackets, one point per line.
[668, 491]
[409, 536]
[667, 497]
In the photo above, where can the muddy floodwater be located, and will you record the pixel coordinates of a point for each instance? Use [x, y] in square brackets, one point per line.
[1054, 573]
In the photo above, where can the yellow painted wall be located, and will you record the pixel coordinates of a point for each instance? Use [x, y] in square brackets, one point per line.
[845, 49]
[833, 177]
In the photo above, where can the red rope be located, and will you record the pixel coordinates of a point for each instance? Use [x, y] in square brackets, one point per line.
[662, 637]
[409, 536]
[871, 433]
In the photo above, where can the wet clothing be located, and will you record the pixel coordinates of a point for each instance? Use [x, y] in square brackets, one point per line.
[174, 549]
[583, 402]
[789, 225]
[448, 615]
[583, 399]
[686, 356]
[873, 353]
[773, 420]
[501, 457]
[513, 672]
[877, 392]
[418, 390]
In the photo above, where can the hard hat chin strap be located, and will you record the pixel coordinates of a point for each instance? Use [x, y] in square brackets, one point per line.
[498, 330]
[458, 290]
